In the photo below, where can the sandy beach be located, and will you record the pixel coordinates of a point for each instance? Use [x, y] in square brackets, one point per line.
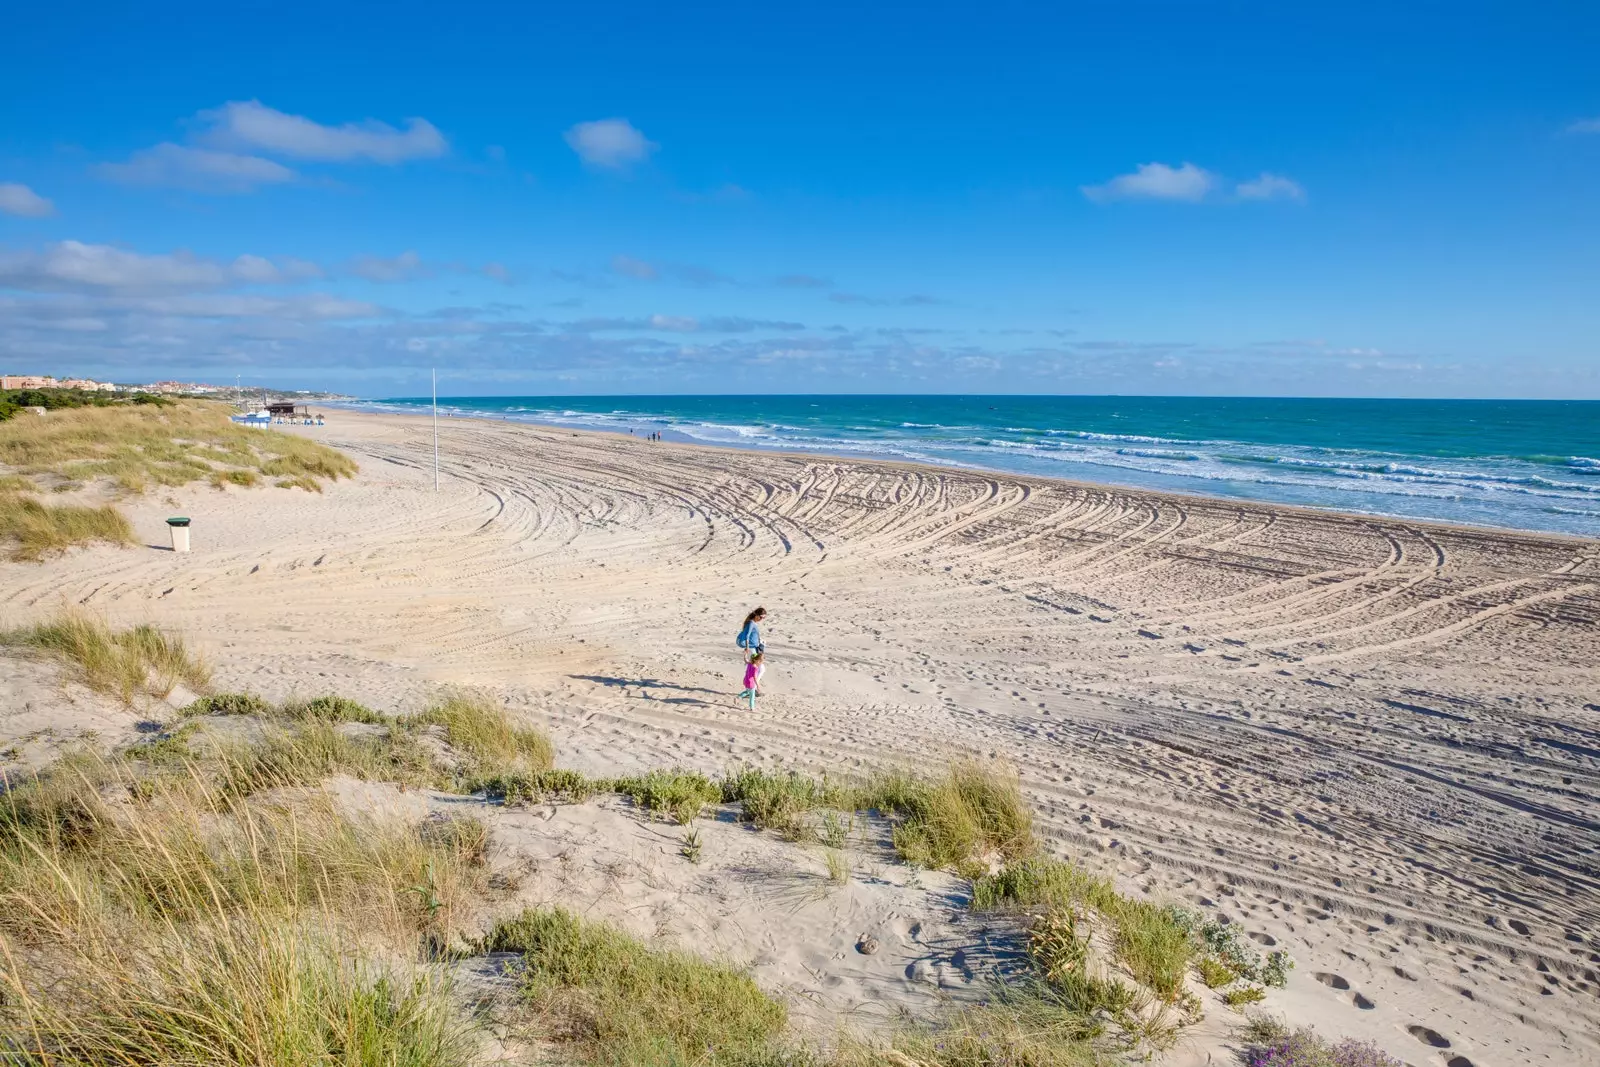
[1373, 743]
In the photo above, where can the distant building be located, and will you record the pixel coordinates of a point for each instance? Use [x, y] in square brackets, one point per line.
[28, 381]
[88, 383]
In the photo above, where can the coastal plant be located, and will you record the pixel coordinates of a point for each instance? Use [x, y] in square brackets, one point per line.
[554, 786]
[779, 801]
[333, 708]
[38, 529]
[135, 448]
[974, 810]
[1154, 948]
[679, 793]
[228, 704]
[1225, 942]
[1239, 996]
[1214, 973]
[691, 846]
[608, 997]
[1040, 880]
[1271, 1044]
[480, 730]
[838, 865]
[126, 663]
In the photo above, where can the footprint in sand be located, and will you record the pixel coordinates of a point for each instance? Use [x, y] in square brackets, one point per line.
[1332, 981]
[1362, 1002]
[1520, 927]
[1262, 939]
[1403, 973]
[1428, 1036]
[1458, 1061]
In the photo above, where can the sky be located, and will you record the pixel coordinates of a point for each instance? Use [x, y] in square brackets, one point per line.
[1181, 198]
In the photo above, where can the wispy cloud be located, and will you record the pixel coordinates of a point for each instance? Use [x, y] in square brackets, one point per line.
[629, 267]
[407, 266]
[73, 265]
[1156, 181]
[1585, 126]
[803, 281]
[914, 300]
[1270, 187]
[230, 146]
[615, 144]
[198, 169]
[251, 125]
[681, 324]
[18, 199]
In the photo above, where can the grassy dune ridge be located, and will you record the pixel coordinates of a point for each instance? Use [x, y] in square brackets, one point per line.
[197, 897]
[131, 449]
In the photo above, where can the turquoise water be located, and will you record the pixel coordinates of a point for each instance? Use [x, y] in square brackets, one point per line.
[1523, 464]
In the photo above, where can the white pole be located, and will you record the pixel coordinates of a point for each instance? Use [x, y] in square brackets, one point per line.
[436, 429]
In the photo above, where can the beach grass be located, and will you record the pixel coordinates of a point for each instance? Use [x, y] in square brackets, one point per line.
[140, 660]
[200, 927]
[38, 529]
[480, 729]
[610, 998]
[137, 448]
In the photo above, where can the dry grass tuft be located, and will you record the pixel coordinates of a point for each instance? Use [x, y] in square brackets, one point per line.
[142, 659]
[41, 529]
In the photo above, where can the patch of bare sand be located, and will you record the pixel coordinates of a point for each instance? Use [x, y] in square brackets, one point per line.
[1371, 742]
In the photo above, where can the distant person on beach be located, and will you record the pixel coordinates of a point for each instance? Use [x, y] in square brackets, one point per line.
[750, 635]
[752, 680]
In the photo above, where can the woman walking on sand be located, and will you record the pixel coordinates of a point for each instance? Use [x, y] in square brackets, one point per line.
[750, 640]
[750, 635]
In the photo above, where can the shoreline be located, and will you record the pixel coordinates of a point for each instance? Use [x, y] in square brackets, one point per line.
[1304, 510]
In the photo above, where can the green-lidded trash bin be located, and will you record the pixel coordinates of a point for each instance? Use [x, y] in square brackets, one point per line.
[179, 526]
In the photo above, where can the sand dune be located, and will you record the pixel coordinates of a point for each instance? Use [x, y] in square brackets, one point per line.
[1372, 742]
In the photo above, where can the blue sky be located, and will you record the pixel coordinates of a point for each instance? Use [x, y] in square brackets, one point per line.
[1170, 198]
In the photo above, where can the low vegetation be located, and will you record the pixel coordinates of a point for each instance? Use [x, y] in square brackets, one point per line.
[1269, 1043]
[126, 664]
[132, 445]
[36, 529]
[612, 999]
[195, 899]
[137, 448]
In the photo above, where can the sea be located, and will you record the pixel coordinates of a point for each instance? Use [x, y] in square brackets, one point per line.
[1517, 464]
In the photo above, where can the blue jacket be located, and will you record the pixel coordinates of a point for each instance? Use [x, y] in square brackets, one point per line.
[750, 638]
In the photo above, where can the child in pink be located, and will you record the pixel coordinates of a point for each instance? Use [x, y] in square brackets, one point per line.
[752, 679]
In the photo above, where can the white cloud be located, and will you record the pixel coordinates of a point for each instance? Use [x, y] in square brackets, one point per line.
[1585, 126]
[250, 124]
[675, 323]
[1270, 187]
[73, 265]
[613, 143]
[18, 199]
[1155, 181]
[200, 169]
[402, 268]
[634, 268]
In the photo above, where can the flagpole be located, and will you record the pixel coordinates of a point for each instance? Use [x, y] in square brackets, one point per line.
[436, 429]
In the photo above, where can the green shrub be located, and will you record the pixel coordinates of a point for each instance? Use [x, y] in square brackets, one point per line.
[228, 704]
[560, 786]
[676, 792]
[333, 709]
